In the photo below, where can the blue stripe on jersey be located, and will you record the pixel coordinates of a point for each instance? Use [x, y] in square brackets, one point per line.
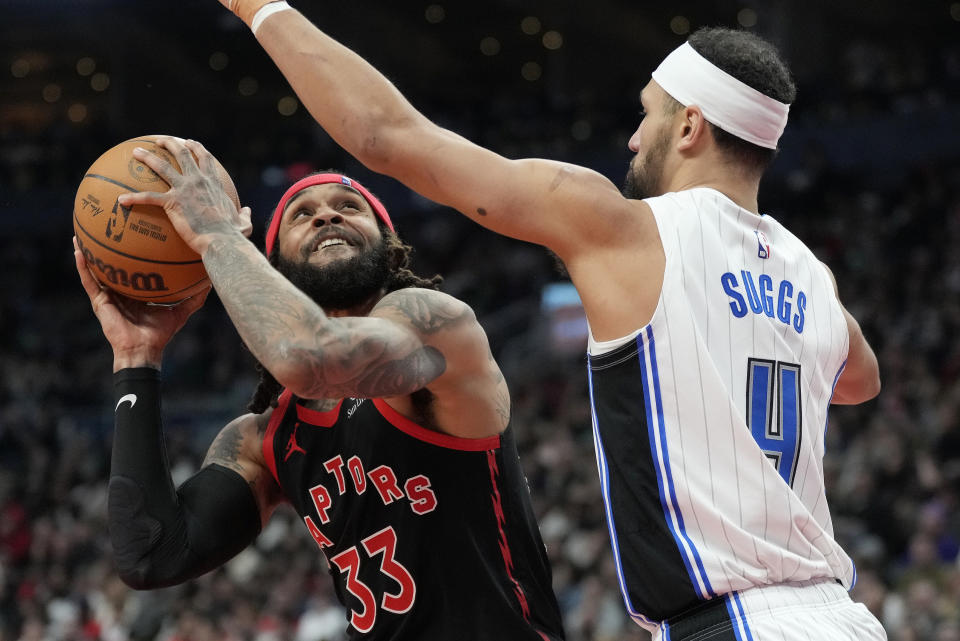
[665, 631]
[826, 423]
[657, 432]
[833, 389]
[738, 617]
[608, 508]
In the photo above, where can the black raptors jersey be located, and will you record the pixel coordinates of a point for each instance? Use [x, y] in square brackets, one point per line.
[428, 537]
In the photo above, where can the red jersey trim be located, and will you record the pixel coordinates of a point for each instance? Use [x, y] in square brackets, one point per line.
[275, 420]
[502, 535]
[439, 439]
[319, 419]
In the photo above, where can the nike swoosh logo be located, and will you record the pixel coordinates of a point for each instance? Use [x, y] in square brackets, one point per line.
[131, 398]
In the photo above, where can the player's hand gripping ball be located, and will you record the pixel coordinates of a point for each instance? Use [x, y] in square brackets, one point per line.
[135, 251]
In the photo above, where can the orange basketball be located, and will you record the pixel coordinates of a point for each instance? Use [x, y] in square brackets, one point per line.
[135, 250]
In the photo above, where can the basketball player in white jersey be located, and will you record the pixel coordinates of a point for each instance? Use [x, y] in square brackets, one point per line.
[717, 340]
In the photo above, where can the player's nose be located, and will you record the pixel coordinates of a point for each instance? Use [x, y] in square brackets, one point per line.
[634, 143]
[326, 216]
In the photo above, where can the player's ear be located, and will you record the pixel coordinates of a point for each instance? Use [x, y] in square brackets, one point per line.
[693, 128]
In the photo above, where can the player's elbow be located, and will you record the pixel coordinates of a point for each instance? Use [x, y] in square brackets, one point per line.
[868, 379]
[872, 386]
[299, 368]
[293, 376]
[134, 578]
[132, 559]
[859, 390]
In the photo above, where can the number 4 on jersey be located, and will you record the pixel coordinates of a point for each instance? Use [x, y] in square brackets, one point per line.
[773, 412]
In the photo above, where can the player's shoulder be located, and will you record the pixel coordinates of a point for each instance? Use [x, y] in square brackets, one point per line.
[240, 442]
[426, 310]
[249, 426]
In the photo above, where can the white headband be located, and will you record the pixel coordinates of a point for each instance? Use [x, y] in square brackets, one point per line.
[728, 103]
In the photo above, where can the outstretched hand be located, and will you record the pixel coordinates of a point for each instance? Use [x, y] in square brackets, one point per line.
[196, 203]
[137, 331]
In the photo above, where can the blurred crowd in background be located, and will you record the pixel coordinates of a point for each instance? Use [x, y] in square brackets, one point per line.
[869, 177]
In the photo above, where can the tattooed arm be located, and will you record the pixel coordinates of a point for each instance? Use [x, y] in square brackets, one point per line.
[469, 398]
[239, 447]
[314, 355]
[413, 339]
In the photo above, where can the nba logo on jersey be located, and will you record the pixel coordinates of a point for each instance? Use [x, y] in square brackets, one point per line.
[763, 245]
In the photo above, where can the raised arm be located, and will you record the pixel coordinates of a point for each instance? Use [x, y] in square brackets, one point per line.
[554, 204]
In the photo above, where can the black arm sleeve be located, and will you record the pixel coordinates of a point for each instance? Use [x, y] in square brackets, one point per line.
[162, 536]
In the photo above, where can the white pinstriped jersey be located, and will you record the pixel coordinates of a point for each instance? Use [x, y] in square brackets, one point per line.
[709, 422]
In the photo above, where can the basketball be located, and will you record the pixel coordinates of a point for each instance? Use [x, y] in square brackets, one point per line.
[136, 251]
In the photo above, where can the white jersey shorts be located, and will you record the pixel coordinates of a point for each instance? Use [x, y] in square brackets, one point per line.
[818, 610]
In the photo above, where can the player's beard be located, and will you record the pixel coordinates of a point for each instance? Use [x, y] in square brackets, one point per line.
[342, 284]
[644, 177]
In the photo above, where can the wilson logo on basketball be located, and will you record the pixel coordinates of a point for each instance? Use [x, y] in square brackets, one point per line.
[138, 281]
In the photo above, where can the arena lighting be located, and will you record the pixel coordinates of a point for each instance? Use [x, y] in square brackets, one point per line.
[77, 112]
[100, 81]
[552, 40]
[530, 25]
[531, 71]
[489, 46]
[86, 66]
[747, 17]
[20, 68]
[680, 25]
[287, 106]
[581, 130]
[218, 61]
[435, 13]
[52, 93]
[248, 86]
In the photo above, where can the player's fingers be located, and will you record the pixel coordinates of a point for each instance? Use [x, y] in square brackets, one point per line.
[195, 146]
[90, 284]
[176, 139]
[180, 150]
[143, 198]
[157, 163]
[203, 156]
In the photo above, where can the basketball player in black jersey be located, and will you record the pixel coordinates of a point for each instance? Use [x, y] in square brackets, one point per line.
[381, 417]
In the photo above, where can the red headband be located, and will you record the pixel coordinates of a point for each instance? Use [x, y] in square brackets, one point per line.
[321, 179]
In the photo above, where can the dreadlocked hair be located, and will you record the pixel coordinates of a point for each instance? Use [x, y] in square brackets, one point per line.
[400, 277]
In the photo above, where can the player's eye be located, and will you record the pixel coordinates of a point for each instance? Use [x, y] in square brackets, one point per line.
[350, 204]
